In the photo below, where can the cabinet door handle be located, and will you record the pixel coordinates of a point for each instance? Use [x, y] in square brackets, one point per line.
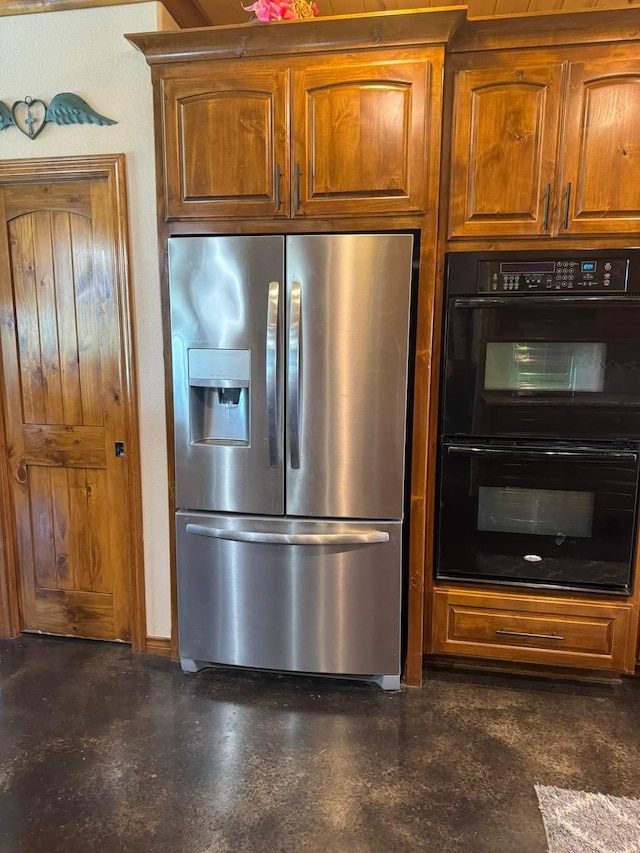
[504, 632]
[296, 188]
[547, 199]
[567, 198]
[278, 179]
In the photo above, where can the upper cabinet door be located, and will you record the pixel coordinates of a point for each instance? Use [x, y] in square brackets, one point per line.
[505, 138]
[226, 144]
[601, 176]
[359, 139]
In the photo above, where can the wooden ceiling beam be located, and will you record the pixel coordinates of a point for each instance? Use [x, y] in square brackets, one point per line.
[187, 13]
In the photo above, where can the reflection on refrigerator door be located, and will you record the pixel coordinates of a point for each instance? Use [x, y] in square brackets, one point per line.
[290, 363]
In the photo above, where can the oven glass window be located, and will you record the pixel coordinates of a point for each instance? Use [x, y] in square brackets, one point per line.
[574, 511]
[532, 369]
[543, 512]
[545, 366]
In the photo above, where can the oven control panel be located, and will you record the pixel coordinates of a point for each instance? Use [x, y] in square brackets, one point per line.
[585, 275]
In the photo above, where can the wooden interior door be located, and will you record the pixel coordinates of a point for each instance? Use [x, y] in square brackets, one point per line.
[504, 148]
[61, 347]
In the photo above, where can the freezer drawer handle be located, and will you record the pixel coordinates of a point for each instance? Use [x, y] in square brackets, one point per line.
[367, 537]
[294, 374]
[272, 373]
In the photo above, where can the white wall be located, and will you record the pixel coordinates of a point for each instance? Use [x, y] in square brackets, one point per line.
[84, 51]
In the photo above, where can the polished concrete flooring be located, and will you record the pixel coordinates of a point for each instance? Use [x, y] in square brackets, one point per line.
[105, 751]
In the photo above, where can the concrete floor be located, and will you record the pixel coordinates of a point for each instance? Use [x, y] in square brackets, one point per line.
[111, 752]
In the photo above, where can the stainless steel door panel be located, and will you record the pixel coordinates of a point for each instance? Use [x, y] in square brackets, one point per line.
[227, 293]
[309, 607]
[347, 373]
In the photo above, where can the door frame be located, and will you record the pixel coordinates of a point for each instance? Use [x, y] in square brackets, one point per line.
[61, 170]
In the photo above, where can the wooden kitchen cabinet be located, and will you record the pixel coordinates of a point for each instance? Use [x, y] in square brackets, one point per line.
[357, 132]
[226, 143]
[359, 135]
[600, 156]
[529, 628]
[505, 129]
[545, 144]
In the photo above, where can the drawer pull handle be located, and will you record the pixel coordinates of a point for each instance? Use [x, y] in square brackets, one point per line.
[503, 631]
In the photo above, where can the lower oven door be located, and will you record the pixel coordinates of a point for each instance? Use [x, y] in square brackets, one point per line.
[552, 517]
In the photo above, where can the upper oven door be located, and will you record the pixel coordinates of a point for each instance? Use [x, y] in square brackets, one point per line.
[542, 367]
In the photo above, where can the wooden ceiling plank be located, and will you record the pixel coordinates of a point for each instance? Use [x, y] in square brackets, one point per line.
[544, 5]
[347, 7]
[482, 8]
[376, 6]
[505, 7]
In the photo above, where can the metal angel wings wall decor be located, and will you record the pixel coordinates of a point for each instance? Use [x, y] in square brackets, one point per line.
[32, 114]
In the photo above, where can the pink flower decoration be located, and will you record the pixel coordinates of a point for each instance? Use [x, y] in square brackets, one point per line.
[276, 10]
[272, 10]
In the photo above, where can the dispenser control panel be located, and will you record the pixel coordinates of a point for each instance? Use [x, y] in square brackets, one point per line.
[582, 274]
[220, 368]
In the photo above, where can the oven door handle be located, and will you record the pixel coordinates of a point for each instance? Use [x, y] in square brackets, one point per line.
[491, 301]
[467, 450]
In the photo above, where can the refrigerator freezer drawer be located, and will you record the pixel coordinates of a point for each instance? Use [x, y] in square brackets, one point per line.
[303, 596]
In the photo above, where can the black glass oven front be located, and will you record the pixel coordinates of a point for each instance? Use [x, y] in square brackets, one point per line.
[540, 419]
[541, 364]
[552, 517]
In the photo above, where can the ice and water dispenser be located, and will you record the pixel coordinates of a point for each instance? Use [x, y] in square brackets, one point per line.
[219, 391]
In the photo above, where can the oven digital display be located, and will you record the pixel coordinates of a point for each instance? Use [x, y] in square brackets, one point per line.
[528, 267]
[588, 266]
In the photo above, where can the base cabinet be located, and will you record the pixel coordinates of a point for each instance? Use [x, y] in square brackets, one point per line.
[533, 629]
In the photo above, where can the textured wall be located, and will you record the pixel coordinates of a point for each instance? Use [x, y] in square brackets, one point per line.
[84, 52]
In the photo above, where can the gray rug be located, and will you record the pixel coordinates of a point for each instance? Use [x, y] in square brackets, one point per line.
[579, 822]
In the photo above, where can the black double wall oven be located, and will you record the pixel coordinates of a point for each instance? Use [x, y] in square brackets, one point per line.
[540, 420]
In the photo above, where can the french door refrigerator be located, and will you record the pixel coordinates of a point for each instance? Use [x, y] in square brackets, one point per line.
[290, 359]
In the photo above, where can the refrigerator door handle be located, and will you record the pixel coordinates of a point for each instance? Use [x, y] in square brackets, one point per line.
[294, 374]
[272, 373]
[367, 537]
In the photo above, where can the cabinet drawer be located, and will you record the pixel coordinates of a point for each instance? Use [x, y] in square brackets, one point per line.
[533, 629]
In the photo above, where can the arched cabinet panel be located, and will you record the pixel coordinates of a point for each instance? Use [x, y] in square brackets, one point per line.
[359, 139]
[602, 148]
[226, 144]
[505, 130]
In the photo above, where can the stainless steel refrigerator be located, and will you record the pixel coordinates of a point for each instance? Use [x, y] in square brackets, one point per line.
[290, 393]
